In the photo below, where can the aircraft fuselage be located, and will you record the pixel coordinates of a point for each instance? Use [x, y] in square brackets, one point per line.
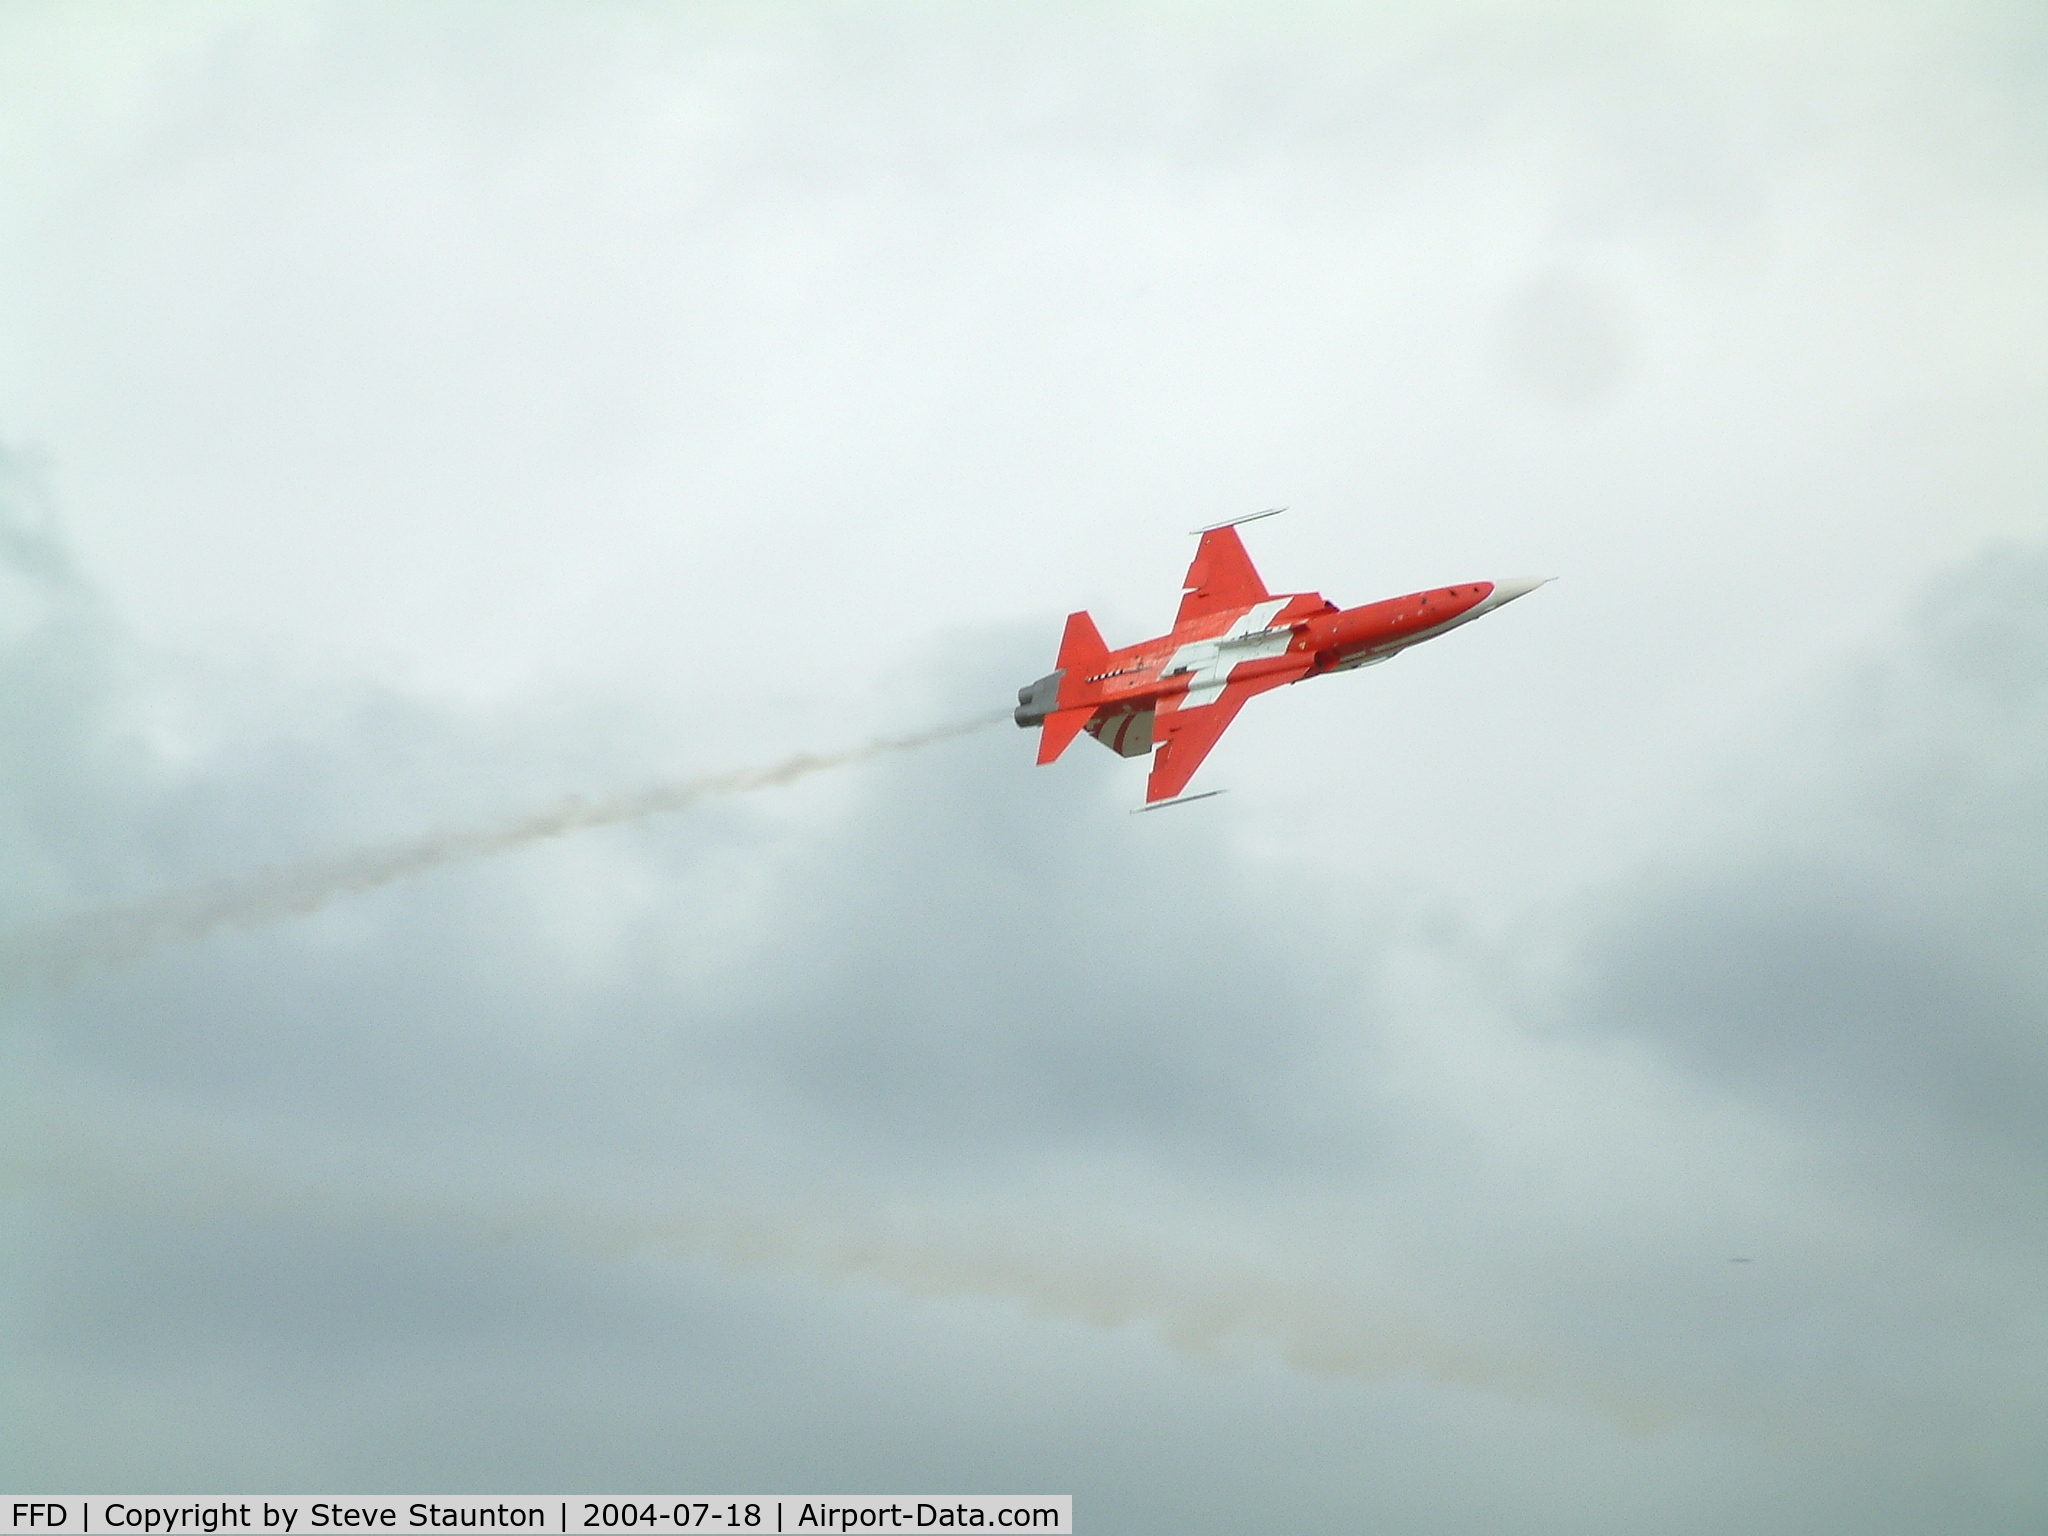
[1231, 641]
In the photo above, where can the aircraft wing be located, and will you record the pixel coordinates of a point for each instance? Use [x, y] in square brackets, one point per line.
[1189, 734]
[1221, 577]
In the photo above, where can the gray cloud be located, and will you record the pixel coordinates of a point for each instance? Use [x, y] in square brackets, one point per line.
[1867, 931]
[1564, 337]
[962, 1050]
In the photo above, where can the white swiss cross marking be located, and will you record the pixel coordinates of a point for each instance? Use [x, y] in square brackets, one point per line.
[1212, 660]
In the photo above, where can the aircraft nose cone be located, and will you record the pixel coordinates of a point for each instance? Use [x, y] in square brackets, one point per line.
[1517, 586]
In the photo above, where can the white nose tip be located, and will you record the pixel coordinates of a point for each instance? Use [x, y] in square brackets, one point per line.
[1517, 586]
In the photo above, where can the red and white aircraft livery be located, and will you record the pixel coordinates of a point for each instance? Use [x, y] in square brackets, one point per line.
[1231, 640]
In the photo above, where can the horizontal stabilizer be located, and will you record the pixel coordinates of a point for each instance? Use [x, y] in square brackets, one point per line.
[1061, 727]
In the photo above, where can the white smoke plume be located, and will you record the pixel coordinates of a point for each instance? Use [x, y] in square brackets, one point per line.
[56, 951]
[1209, 1298]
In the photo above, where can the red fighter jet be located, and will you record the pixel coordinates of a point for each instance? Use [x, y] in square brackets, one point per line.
[1231, 640]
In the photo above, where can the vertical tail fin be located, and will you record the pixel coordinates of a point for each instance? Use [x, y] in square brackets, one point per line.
[1082, 654]
[1081, 650]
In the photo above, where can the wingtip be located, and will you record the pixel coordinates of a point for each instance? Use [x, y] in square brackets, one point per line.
[1160, 805]
[1232, 522]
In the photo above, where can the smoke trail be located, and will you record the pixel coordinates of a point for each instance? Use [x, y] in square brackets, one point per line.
[1201, 1297]
[59, 950]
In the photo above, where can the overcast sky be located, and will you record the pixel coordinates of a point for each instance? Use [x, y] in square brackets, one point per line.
[412, 415]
